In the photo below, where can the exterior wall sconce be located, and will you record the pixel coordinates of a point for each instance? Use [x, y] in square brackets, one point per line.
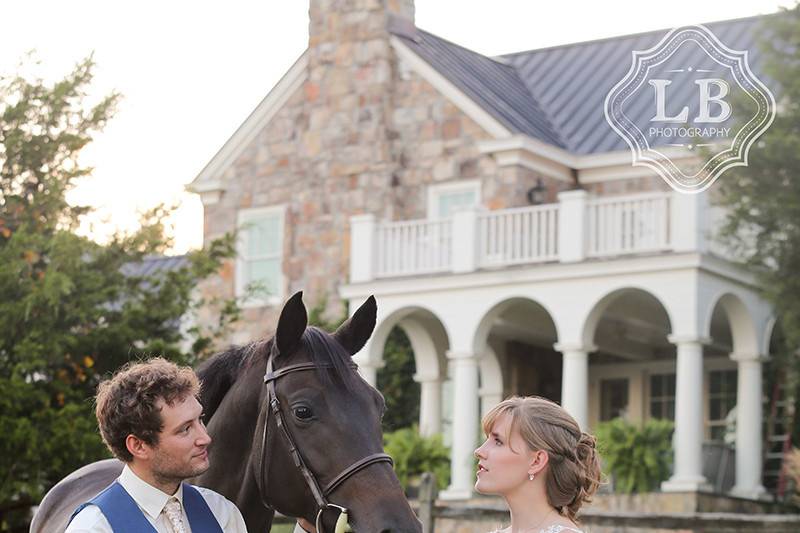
[536, 193]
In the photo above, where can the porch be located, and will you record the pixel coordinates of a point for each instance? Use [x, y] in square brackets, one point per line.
[614, 306]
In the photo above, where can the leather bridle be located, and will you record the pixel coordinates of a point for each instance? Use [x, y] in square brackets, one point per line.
[274, 406]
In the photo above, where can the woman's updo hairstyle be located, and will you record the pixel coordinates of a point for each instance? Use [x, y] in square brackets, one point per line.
[573, 471]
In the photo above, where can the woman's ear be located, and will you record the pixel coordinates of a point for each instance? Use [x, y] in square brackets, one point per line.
[539, 460]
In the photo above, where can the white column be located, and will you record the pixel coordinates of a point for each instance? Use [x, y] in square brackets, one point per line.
[575, 380]
[688, 470]
[465, 425]
[465, 232]
[362, 248]
[688, 221]
[489, 398]
[748, 427]
[367, 368]
[430, 404]
[572, 225]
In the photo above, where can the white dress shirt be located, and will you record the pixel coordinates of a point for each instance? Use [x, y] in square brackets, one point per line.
[151, 501]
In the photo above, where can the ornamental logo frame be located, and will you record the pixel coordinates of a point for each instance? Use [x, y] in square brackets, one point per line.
[672, 129]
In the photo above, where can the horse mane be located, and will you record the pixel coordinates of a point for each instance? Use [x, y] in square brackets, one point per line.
[218, 373]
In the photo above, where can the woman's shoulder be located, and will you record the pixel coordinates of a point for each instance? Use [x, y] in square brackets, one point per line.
[558, 528]
[555, 528]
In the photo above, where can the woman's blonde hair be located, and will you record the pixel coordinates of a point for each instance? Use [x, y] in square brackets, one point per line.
[573, 472]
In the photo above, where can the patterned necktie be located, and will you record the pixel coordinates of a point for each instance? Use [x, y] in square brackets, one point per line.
[173, 511]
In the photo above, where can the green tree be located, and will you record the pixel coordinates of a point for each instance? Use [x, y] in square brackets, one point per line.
[396, 382]
[72, 310]
[762, 200]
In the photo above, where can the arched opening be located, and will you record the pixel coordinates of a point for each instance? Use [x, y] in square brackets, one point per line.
[515, 341]
[632, 369]
[409, 348]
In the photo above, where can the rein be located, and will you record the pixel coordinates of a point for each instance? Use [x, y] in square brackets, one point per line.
[320, 494]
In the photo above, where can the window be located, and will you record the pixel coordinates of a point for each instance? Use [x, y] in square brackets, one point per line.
[260, 255]
[613, 399]
[443, 200]
[662, 396]
[721, 399]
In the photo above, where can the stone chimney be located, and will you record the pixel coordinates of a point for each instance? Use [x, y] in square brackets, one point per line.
[351, 77]
[347, 153]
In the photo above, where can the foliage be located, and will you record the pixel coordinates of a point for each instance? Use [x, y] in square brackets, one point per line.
[396, 382]
[762, 200]
[414, 454]
[638, 459]
[72, 310]
[317, 315]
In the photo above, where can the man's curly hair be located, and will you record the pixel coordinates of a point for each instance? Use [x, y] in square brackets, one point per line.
[128, 403]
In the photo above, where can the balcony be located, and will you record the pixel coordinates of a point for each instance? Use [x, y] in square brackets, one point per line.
[577, 228]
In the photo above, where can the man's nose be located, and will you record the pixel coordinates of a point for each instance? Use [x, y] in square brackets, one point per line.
[204, 439]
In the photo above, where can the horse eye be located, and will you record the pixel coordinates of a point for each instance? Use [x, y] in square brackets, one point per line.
[302, 412]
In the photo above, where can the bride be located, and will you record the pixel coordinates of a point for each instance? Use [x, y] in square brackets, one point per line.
[537, 458]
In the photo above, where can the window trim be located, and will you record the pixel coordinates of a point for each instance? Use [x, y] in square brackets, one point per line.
[434, 191]
[649, 395]
[243, 217]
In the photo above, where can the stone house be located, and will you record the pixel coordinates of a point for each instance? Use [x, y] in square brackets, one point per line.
[496, 217]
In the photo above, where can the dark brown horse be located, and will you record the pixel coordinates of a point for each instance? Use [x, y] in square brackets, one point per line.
[327, 410]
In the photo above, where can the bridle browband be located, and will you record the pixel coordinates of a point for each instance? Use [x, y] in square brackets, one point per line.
[274, 406]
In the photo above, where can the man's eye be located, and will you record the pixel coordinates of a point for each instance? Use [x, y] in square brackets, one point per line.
[303, 412]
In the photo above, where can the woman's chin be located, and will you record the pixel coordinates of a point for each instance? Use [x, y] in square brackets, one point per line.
[481, 488]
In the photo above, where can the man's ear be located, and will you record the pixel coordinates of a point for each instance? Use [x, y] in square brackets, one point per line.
[138, 448]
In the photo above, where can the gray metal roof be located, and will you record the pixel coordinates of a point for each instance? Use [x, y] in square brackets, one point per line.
[495, 86]
[557, 94]
[155, 265]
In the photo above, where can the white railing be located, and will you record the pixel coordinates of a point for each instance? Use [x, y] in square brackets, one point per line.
[575, 228]
[413, 247]
[628, 224]
[518, 235]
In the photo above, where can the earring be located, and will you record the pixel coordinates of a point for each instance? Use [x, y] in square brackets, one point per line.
[531, 476]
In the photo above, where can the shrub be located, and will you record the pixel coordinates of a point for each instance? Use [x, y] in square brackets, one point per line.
[639, 459]
[414, 454]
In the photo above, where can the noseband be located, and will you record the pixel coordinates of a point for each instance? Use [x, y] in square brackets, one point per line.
[320, 494]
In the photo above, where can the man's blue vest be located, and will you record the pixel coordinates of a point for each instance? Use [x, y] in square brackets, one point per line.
[124, 515]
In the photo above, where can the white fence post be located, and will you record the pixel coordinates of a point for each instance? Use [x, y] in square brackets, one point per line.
[687, 221]
[572, 225]
[362, 248]
[465, 225]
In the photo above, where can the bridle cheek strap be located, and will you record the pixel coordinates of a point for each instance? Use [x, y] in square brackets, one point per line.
[320, 495]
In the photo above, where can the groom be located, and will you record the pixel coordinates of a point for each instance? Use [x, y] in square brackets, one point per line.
[150, 419]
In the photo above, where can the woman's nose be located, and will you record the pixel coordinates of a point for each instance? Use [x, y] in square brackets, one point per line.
[478, 452]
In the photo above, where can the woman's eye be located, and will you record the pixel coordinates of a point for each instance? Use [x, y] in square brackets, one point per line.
[302, 412]
[498, 442]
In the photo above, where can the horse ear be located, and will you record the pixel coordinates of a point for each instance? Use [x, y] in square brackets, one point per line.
[356, 330]
[291, 324]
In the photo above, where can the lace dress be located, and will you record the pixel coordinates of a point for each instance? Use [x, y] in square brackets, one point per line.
[555, 528]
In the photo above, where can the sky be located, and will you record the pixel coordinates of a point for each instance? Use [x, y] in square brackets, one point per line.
[191, 72]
